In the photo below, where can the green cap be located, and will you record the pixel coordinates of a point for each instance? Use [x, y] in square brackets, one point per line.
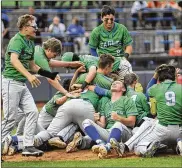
[68, 56]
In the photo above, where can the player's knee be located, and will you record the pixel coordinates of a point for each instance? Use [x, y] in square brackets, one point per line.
[86, 123]
[118, 125]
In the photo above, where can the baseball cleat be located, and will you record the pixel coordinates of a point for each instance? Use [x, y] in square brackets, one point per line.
[103, 151]
[31, 151]
[72, 146]
[179, 146]
[162, 149]
[57, 142]
[6, 143]
[95, 148]
[152, 149]
[118, 147]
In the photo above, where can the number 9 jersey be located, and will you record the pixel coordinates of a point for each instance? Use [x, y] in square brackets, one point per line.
[168, 95]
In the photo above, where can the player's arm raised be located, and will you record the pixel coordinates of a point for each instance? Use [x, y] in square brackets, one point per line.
[80, 69]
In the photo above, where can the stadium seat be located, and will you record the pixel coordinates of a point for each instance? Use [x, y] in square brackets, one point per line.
[166, 41]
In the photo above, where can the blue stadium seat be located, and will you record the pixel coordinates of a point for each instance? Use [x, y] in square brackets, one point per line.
[166, 41]
[52, 11]
[67, 43]
[94, 10]
[159, 18]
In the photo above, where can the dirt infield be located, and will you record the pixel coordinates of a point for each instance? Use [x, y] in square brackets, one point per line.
[60, 155]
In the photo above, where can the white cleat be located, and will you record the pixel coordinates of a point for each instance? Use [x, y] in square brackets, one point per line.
[73, 145]
[57, 142]
[118, 147]
[6, 143]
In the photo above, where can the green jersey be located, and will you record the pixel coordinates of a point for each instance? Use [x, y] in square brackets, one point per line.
[90, 96]
[40, 58]
[88, 61]
[113, 42]
[140, 100]
[100, 79]
[168, 95]
[124, 107]
[25, 49]
[51, 106]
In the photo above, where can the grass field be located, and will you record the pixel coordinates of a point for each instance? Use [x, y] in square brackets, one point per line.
[172, 161]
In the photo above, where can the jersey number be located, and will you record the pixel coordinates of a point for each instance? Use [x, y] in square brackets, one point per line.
[170, 98]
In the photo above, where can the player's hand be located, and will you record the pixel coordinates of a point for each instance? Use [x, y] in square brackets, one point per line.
[76, 86]
[69, 95]
[96, 117]
[34, 81]
[76, 64]
[81, 69]
[76, 91]
[114, 116]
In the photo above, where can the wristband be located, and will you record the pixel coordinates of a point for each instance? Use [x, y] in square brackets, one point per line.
[51, 75]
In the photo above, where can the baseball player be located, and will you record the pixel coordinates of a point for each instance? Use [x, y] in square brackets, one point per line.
[116, 116]
[110, 37]
[139, 98]
[43, 57]
[18, 60]
[169, 124]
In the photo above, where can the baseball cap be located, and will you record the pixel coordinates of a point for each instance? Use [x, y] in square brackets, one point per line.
[68, 56]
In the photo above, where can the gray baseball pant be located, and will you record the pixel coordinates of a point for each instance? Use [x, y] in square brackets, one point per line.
[20, 122]
[104, 133]
[75, 110]
[141, 131]
[157, 132]
[21, 118]
[16, 94]
[67, 135]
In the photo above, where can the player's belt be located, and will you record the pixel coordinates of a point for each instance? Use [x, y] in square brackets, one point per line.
[168, 124]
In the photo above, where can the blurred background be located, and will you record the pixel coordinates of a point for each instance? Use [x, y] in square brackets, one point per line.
[155, 26]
